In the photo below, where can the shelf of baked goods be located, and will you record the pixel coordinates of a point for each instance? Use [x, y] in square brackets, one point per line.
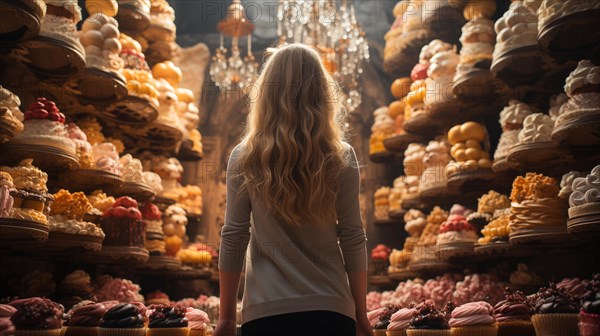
[418, 23]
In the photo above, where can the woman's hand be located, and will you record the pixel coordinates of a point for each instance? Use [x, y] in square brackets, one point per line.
[363, 327]
[225, 328]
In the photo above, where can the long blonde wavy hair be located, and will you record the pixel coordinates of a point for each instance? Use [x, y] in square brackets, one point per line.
[293, 146]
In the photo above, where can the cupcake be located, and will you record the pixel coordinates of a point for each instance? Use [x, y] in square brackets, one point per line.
[399, 322]
[122, 320]
[84, 320]
[589, 315]
[6, 326]
[36, 317]
[513, 315]
[380, 327]
[556, 313]
[198, 322]
[428, 321]
[168, 321]
[473, 319]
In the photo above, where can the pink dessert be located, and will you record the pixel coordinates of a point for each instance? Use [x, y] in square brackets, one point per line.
[197, 319]
[456, 229]
[120, 290]
[478, 287]
[472, 313]
[400, 320]
[574, 287]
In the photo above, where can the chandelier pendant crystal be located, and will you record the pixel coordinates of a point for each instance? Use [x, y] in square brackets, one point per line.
[234, 72]
[335, 33]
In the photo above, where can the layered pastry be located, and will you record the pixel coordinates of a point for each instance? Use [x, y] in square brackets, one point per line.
[478, 287]
[428, 320]
[551, 10]
[198, 321]
[382, 203]
[478, 39]
[400, 321]
[413, 169]
[106, 7]
[440, 76]
[473, 318]
[30, 194]
[489, 206]
[94, 135]
[536, 210]
[162, 16]
[585, 198]
[168, 321]
[67, 212]
[140, 82]
[416, 97]
[100, 38]
[115, 289]
[85, 320]
[456, 230]
[513, 315]
[437, 157]
[174, 227]
[61, 21]
[583, 89]
[157, 298]
[122, 320]
[6, 200]
[537, 128]
[122, 223]
[155, 241]
[11, 118]
[468, 148]
[74, 288]
[45, 126]
[589, 315]
[556, 312]
[425, 249]
[511, 120]
[407, 26]
[383, 127]
[517, 28]
[37, 316]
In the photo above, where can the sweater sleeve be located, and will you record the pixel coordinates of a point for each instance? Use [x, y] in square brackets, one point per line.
[235, 234]
[350, 230]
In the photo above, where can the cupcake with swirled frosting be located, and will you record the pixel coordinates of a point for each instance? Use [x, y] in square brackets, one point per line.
[84, 320]
[513, 315]
[122, 320]
[168, 321]
[511, 120]
[585, 198]
[556, 312]
[583, 88]
[473, 318]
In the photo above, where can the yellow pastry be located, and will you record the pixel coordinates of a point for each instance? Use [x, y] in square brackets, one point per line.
[106, 7]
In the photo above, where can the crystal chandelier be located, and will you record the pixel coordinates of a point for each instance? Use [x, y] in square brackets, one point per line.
[335, 33]
[234, 72]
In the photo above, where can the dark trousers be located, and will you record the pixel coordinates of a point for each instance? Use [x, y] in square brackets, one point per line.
[318, 322]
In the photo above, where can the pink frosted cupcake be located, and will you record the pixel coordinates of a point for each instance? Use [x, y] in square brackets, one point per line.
[513, 315]
[400, 321]
[198, 322]
[84, 320]
[473, 319]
